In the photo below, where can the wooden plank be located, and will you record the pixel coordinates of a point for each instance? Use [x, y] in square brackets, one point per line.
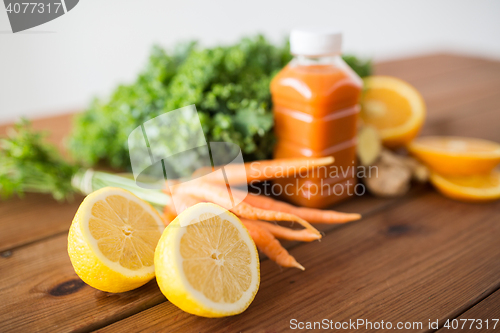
[93, 312]
[424, 259]
[28, 229]
[442, 112]
[44, 218]
[34, 217]
[426, 66]
[484, 314]
[39, 216]
[41, 292]
[366, 205]
[48, 267]
[449, 91]
[483, 125]
[452, 86]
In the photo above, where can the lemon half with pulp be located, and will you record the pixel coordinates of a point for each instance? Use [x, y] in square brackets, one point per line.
[206, 262]
[112, 239]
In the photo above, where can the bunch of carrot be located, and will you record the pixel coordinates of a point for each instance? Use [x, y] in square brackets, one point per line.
[255, 211]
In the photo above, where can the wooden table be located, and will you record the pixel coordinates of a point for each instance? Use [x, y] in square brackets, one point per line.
[412, 259]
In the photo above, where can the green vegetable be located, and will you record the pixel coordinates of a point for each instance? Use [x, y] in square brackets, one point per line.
[88, 181]
[229, 86]
[29, 164]
[361, 67]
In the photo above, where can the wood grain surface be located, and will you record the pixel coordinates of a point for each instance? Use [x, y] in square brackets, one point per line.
[479, 318]
[406, 263]
[414, 258]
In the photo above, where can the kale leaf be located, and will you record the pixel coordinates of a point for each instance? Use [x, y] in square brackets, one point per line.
[228, 84]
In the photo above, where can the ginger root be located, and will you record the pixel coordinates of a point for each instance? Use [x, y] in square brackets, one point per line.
[394, 174]
[420, 172]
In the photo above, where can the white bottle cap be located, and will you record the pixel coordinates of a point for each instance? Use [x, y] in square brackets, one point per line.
[315, 42]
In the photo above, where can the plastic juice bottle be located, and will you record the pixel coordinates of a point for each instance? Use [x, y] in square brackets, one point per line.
[316, 106]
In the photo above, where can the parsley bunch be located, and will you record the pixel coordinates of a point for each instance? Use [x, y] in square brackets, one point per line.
[29, 164]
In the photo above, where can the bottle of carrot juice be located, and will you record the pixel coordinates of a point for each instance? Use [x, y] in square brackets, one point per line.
[316, 105]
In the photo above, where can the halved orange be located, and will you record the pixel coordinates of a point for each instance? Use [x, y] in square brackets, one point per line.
[394, 107]
[476, 188]
[456, 156]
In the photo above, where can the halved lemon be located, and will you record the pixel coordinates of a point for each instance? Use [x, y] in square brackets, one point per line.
[457, 156]
[206, 263]
[469, 188]
[394, 107]
[112, 239]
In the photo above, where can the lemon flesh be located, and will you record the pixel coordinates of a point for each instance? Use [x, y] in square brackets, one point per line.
[206, 263]
[112, 240]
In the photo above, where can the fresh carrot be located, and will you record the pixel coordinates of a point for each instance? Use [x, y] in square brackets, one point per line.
[264, 170]
[263, 235]
[270, 246]
[169, 212]
[167, 216]
[304, 235]
[278, 231]
[182, 202]
[220, 196]
[308, 214]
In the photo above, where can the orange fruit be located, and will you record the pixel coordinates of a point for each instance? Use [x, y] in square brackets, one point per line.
[456, 156]
[394, 107]
[478, 188]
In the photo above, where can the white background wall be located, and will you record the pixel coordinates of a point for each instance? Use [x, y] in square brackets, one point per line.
[60, 65]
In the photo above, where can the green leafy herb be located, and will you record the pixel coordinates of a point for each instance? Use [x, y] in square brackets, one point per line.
[361, 67]
[29, 164]
[229, 86]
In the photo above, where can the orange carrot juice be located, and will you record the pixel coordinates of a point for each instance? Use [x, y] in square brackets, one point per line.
[316, 108]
